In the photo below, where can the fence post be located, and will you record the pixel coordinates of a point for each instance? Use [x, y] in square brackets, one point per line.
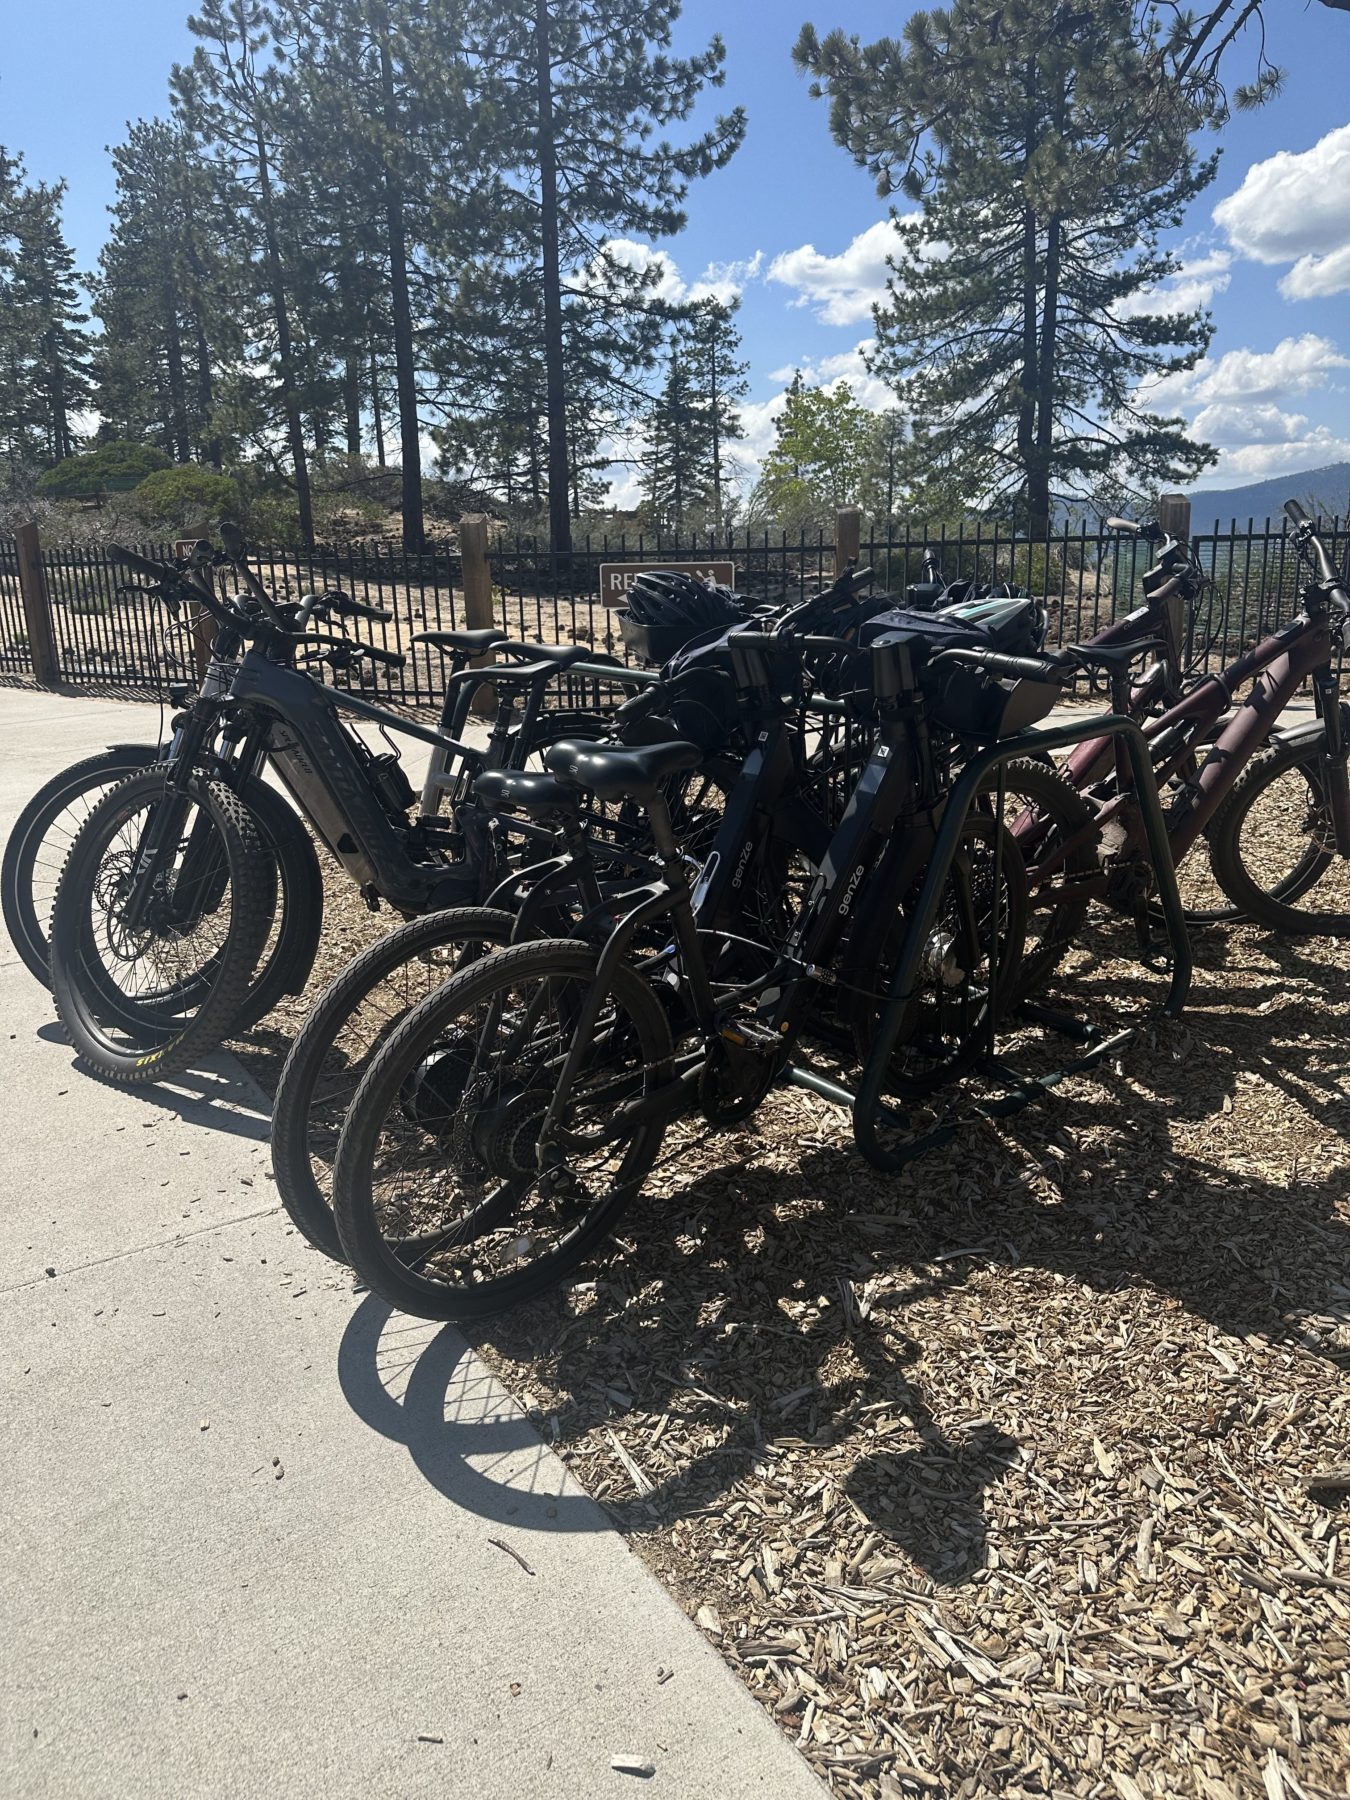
[478, 612]
[37, 609]
[847, 537]
[1174, 515]
[204, 627]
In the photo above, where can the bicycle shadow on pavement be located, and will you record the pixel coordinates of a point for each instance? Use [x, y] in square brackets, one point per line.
[418, 1384]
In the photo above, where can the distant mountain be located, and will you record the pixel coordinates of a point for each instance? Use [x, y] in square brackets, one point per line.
[1326, 491]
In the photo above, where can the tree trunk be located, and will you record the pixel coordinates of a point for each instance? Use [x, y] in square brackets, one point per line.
[405, 372]
[377, 411]
[1038, 483]
[210, 445]
[555, 398]
[285, 353]
[173, 355]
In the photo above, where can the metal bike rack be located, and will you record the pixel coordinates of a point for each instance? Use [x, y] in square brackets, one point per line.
[867, 1105]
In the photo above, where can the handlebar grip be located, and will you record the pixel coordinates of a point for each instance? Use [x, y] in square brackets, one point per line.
[355, 609]
[1007, 668]
[1121, 525]
[233, 540]
[1293, 510]
[142, 565]
[390, 658]
[829, 646]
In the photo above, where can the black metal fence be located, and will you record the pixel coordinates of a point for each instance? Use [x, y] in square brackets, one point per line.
[1087, 576]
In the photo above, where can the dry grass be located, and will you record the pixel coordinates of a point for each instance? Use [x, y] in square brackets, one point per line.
[1000, 1476]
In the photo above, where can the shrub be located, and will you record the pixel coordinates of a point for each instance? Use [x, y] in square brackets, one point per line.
[185, 499]
[118, 464]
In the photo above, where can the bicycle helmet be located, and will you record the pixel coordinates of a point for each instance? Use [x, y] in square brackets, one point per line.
[668, 608]
[671, 597]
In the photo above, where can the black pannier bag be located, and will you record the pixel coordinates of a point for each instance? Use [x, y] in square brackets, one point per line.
[970, 701]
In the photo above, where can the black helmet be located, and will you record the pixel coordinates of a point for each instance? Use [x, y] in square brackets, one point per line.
[669, 597]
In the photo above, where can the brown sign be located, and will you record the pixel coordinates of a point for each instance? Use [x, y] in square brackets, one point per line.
[616, 579]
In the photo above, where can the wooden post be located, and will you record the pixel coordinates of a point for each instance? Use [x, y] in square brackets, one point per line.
[1174, 515]
[847, 537]
[204, 626]
[478, 612]
[37, 610]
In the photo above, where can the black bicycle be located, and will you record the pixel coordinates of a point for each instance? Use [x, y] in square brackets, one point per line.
[511, 1117]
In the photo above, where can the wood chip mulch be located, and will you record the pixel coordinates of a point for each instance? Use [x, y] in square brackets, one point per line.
[1026, 1471]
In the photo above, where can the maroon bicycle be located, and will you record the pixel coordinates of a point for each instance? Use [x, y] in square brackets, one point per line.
[1275, 808]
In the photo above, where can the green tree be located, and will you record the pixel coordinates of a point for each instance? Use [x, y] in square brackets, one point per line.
[675, 467]
[164, 295]
[47, 351]
[1021, 326]
[231, 99]
[823, 446]
[593, 83]
[717, 378]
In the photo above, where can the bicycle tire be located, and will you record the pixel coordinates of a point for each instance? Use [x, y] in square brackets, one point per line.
[1272, 900]
[386, 1085]
[28, 917]
[1064, 817]
[917, 1065]
[156, 1044]
[310, 1102]
[285, 967]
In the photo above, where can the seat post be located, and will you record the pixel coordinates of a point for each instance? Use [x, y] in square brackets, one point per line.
[663, 832]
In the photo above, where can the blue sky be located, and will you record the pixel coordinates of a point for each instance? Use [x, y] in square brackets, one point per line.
[797, 229]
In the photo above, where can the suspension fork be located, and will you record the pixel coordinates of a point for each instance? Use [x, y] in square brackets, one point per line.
[166, 819]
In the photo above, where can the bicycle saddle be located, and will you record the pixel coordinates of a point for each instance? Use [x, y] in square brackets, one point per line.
[533, 794]
[477, 643]
[562, 656]
[613, 774]
[1114, 656]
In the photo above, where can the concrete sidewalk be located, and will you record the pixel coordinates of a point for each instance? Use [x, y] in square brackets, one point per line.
[260, 1537]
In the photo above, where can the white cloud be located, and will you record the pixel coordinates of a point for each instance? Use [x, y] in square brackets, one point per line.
[1255, 462]
[725, 281]
[1194, 285]
[1295, 208]
[1296, 365]
[1226, 423]
[843, 288]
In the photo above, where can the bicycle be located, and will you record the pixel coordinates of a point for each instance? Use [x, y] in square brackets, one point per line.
[528, 1098]
[357, 802]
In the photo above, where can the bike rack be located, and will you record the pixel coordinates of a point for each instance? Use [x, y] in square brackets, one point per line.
[867, 1105]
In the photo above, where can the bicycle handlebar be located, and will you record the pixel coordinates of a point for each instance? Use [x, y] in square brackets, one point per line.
[1006, 668]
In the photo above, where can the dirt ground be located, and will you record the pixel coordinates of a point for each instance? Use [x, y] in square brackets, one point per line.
[1024, 1471]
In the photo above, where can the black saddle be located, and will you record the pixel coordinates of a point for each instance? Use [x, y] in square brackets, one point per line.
[537, 795]
[614, 774]
[561, 656]
[476, 643]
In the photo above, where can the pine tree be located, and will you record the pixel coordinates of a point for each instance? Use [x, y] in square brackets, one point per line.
[164, 295]
[50, 357]
[1019, 331]
[230, 99]
[675, 476]
[593, 84]
[717, 379]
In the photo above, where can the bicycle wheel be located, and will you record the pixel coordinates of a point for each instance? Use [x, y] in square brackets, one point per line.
[36, 849]
[448, 1201]
[140, 1001]
[1052, 826]
[293, 942]
[350, 1021]
[947, 1016]
[1274, 848]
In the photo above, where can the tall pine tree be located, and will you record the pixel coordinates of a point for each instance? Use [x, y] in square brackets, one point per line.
[594, 83]
[1021, 331]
